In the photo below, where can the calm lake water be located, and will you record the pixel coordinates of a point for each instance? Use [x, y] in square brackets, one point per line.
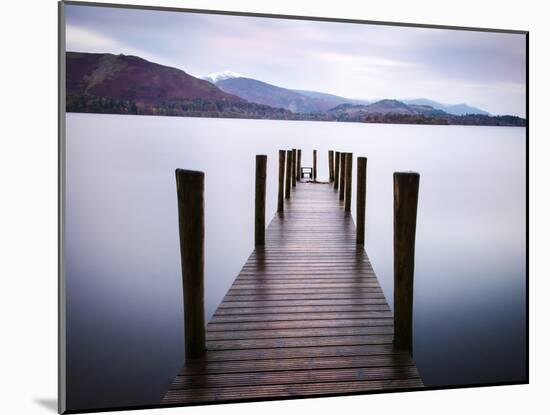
[124, 290]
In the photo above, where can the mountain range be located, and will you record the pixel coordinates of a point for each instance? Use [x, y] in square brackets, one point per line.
[455, 109]
[121, 84]
[294, 100]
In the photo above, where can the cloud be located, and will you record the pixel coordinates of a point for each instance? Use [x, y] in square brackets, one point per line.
[346, 59]
[82, 39]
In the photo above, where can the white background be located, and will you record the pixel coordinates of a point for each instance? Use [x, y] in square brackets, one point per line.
[28, 203]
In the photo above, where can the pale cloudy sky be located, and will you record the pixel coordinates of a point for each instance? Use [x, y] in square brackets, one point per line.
[367, 61]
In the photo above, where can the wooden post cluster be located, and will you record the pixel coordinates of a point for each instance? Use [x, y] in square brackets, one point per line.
[293, 167]
[330, 165]
[190, 189]
[361, 198]
[289, 173]
[342, 174]
[349, 165]
[259, 205]
[299, 165]
[314, 165]
[405, 202]
[280, 192]
[336, 169]
[288, 179]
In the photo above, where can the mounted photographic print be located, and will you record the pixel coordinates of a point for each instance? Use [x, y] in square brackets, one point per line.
[258, 207]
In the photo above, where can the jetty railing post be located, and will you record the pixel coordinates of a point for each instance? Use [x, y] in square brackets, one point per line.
[288, 179]
[361, 198]
[190, 189]
[314, 165]
[293, 167]
[405, 203]
[299, 165]
[342, 174]
[259, 205]
[349, 165]
[280, 192]
[336, 169]
[330, 165]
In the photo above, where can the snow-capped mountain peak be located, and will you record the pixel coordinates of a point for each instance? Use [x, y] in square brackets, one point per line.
[220, 76]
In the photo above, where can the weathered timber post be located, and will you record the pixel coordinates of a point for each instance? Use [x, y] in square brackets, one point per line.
[330, 165]
[336, 169]
[361, 198]
[314, 165]
[299, 165]
[190, 189]
[288, 180]
[293, 167]
[259, 205]
[280, 192]
[349, 165]
[342, 174]
[405, 202]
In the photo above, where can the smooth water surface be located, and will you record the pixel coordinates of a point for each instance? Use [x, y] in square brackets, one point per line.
[124, 290]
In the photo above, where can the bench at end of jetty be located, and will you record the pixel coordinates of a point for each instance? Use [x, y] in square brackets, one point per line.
[306, 171]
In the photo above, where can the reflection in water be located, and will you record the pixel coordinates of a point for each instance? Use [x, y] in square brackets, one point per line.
[124, 290]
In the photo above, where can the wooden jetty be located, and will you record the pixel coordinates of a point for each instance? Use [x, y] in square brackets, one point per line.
[306, 315]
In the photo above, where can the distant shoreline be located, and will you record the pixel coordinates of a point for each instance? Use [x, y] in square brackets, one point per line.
[233, 116]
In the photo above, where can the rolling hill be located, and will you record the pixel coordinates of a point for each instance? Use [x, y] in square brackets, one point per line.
[331, 99]
[263, 93]
[386, 106]
[454, 109]
[121, 84]
[132, 78]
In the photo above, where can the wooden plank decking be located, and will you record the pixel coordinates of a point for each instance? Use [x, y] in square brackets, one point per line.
[305, 316]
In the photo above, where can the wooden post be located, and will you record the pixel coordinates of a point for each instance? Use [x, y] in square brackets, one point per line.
[299, 165]
[190, 189]
[280, 192]
[405, 202]
[342, 174]
[361, 198]
[349, 165]
[314, 165]
[259, 205]
[293, 167]
[336, 169]
[288, 180]
[330, 165]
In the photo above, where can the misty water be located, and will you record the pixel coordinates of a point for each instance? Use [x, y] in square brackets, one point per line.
[124, 289]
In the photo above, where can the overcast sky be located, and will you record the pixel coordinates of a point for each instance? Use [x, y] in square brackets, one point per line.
[483, 69]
